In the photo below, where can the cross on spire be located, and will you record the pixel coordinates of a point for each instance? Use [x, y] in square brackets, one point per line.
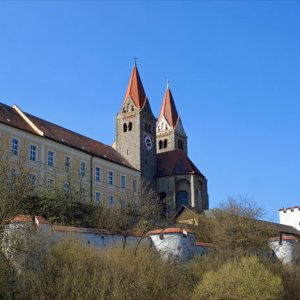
[168, 83]
[135, 59]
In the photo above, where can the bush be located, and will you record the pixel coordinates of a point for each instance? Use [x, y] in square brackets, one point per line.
[74, 271]
[245, 278]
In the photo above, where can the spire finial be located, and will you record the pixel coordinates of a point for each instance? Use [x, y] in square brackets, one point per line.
[135, 59]
[168, 83]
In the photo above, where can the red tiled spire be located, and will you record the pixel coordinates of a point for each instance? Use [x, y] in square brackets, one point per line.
[168, 109]
[135, 89]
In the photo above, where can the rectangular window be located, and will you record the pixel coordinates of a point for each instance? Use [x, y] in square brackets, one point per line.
[50, 183]
[50, 158]
[134, 186]
[110, 178]
[97, 197]
[123, 204]
[67, 163]
[32, 155]
[13, 176]
[66, 189]
[82, 169]
[15, 146]
[32, 179]
[83, 194]
[123, 181]
[111, 201]
[97, 174]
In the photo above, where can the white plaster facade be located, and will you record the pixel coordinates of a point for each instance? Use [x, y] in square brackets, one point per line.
[290, 216]
[285, 250]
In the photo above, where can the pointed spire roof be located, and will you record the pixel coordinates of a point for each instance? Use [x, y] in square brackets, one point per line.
[135, 89]
[168, 109]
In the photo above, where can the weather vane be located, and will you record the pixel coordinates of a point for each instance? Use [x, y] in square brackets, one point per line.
[168, 83]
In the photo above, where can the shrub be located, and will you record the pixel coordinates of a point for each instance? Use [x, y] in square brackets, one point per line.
[74, 271]
[245, 278]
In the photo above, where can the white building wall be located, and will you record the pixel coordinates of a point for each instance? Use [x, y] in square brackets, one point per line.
[290, 216]
[284, 251]
[174, 245]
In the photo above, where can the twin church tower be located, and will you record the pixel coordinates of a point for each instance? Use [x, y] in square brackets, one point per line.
[158, 149]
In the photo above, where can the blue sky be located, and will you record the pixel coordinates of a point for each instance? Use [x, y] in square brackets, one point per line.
[233, 69]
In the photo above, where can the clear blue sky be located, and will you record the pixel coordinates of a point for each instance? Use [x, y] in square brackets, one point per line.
[234, 71]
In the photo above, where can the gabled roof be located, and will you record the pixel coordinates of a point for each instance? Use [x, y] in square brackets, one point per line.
[62, 135]
[135, 89]
[175, 162]
[168, 109]
[9, 116]
[182, 209]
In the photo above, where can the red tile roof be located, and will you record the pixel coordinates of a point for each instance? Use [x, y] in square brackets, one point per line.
[91, 230]
[284, 238]
[168, 230]
[175, 162]
[10, 117]
[22, 219]
[62, 135]
[135, 89]
[202, 244]
[41, 220]
[168, 109]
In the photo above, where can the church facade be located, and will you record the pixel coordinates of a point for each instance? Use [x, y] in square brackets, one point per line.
[145, 149]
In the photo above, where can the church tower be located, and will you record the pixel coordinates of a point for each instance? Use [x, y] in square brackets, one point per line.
[135, 129]
[170, 134]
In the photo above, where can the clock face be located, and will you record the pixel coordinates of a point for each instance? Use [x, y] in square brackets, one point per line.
[148, 142]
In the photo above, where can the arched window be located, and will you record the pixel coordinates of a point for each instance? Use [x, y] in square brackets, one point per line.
[124, 109]
[124, 127]
[132, 108]
[130, 126]
[146, 127]
[180, 144]
[165, 143]
[160, 144]
[163, 204]
[182, 198]
[149, 128]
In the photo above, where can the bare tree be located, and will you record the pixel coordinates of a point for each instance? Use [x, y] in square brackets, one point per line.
[237, 228]
[15, 187]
